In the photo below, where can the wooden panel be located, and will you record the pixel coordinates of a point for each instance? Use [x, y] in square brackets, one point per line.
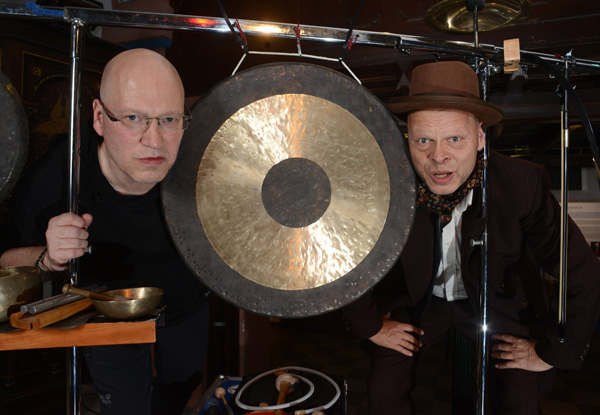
[36, 58]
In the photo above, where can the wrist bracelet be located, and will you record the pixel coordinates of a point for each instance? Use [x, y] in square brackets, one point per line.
[40, 261]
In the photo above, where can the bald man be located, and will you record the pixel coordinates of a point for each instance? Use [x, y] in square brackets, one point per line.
[132, 143]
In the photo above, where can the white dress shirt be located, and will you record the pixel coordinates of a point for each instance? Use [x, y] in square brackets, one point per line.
[449, 284]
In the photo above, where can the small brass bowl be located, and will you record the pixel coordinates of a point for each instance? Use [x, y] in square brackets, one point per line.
[143, 301]
[18, 286]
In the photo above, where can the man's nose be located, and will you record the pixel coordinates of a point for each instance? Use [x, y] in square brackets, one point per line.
[152, 137]
[438, 153]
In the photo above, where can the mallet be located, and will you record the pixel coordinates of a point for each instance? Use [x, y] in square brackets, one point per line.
[220, 393]
[285, 384]
[69, 289]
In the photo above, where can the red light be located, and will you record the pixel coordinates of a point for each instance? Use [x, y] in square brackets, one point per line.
[203, 22]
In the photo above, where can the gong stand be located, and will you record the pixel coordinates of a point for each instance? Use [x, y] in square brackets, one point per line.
[74, 366]
[79, 17]
[562, 288]
[483, 69]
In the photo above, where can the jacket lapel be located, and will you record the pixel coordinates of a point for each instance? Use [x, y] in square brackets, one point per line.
[417, 256]
[473, 226]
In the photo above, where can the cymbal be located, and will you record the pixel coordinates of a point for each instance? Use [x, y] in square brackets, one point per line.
[14, 136]
[453, 16]
[292, 194]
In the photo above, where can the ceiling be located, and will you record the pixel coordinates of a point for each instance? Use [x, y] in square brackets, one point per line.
[530, 99]
[531, 126]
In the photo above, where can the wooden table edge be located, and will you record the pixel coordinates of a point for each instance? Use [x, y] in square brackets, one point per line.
[89, 334]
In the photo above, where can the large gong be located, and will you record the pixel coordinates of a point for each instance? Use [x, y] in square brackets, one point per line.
[14, 136]
[292, 194]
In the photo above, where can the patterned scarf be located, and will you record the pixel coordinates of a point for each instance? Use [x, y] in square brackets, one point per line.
[445, 204]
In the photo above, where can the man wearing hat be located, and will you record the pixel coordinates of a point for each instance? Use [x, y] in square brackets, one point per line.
[435, 284]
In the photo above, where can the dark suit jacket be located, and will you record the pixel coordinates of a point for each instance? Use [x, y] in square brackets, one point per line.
[524, 220]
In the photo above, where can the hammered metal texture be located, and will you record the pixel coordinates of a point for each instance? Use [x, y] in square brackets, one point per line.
[235, 164]
[292, 194]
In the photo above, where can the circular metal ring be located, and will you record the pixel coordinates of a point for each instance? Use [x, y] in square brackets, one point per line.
[292, 194]
[14, 136]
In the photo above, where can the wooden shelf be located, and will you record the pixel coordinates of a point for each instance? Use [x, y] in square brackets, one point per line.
[89, 334]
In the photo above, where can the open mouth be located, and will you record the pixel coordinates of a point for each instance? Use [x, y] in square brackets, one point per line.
[441, 175]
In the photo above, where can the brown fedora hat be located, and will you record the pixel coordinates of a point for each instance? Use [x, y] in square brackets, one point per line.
[446, 85]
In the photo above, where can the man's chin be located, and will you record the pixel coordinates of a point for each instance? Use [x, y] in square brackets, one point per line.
[443, 190]
[150, 178]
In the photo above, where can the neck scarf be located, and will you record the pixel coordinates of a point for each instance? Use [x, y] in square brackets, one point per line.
[445, 204]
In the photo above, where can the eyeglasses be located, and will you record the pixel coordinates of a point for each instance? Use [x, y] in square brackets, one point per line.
[140, 123]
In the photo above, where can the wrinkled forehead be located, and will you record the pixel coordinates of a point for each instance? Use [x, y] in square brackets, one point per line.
[432, 115]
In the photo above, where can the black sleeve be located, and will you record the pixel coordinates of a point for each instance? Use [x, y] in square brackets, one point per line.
[40, 195]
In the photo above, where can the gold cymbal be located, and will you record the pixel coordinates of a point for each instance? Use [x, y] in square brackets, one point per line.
[338, 226]
[452, 15]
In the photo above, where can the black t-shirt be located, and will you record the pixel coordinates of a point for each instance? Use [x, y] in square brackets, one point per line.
[131, 243]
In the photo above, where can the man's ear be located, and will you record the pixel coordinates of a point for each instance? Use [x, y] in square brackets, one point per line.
[480, 136]
[98, 115]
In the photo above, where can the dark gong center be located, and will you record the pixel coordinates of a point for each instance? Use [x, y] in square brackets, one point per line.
[296, 192]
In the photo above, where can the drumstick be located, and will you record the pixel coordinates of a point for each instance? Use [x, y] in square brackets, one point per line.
[69, 289]
[220, 393]
[285, 384]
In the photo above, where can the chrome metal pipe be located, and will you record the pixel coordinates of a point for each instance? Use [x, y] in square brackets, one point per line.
[77, 40]
[482, 335]
[476, 27]
[74, 381]
[269, 29]
[564, 197]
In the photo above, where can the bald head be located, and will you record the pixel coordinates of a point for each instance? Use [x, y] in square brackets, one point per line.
[140, 71]
[138, 84]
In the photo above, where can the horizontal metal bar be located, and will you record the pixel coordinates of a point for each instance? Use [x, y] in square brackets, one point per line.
[259, 28]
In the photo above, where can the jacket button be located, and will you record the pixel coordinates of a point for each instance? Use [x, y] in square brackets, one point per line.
[524, 304]
[584, 352]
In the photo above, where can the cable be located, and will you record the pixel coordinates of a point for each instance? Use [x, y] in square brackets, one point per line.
[585, 121]
[273, 407]
[297, 401]
[345, 48]
[240, 37]
[323, 58]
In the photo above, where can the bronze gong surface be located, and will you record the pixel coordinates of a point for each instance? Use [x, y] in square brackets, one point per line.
[14, 136]
[292, 194]
[250, 231]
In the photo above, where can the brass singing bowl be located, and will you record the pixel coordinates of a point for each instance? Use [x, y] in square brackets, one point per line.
[18, 286]
[143, 301]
